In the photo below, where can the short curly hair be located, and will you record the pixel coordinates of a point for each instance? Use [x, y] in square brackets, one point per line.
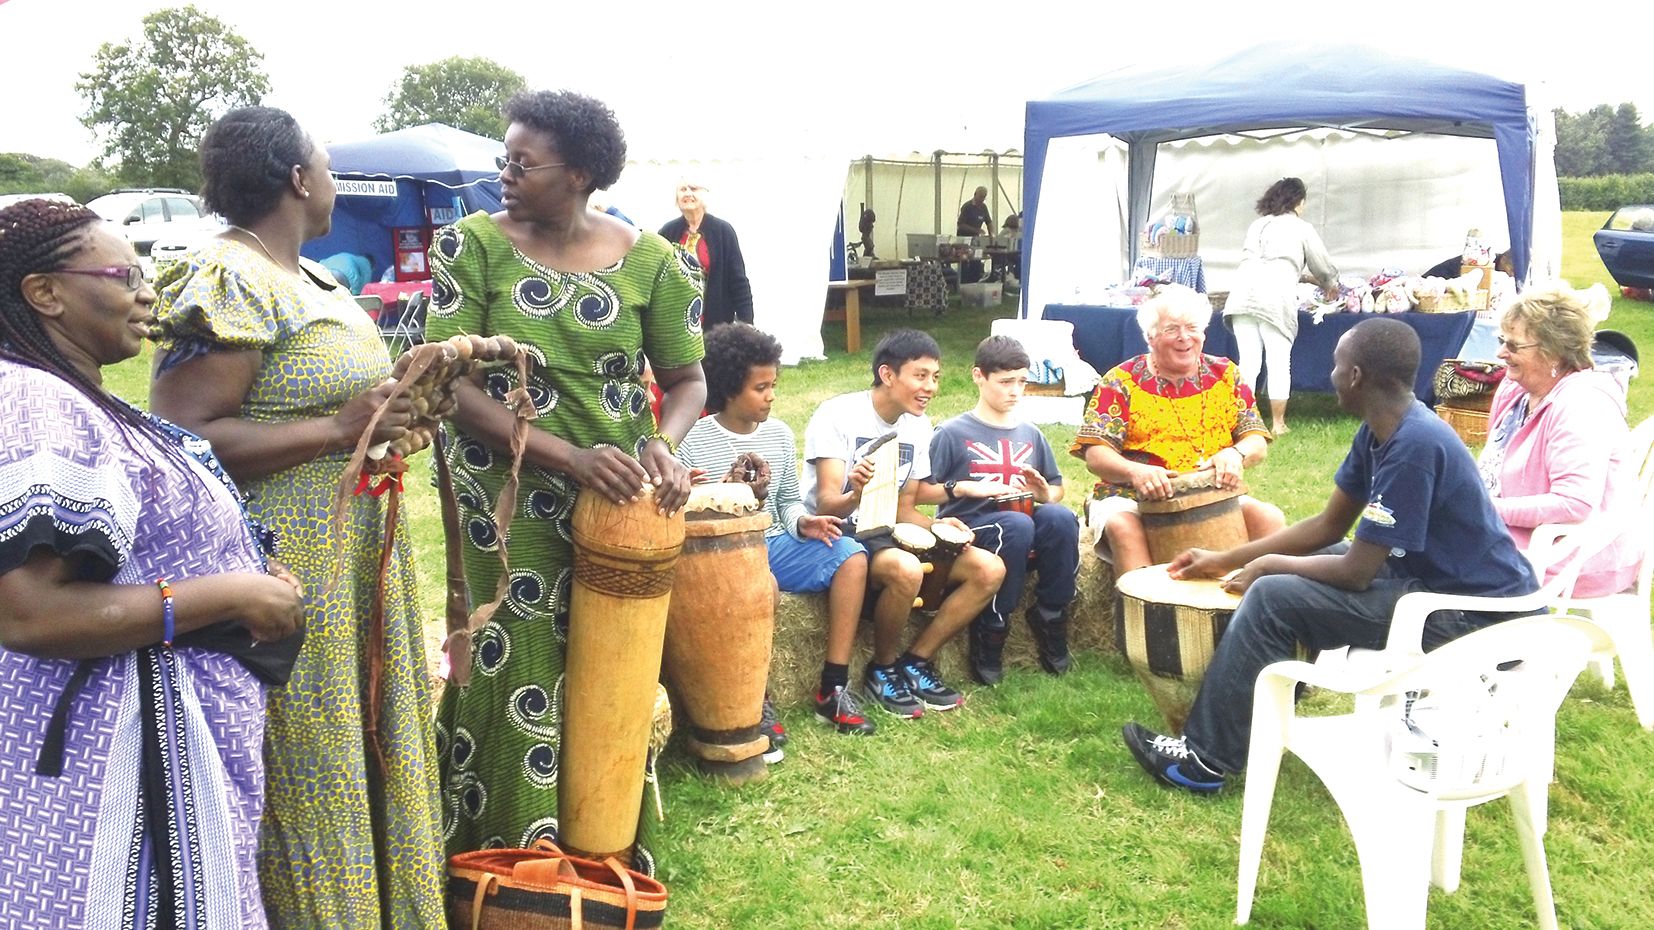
[246, 158]
[733, 350]
[1282, 197]
[584, 130]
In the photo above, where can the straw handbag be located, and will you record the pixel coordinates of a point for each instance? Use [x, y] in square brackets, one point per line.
[544, 888]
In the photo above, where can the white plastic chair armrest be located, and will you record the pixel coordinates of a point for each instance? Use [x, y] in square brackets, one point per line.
[1407, 624]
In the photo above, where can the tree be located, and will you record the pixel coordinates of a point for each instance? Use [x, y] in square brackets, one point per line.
[152, 99]
[1603, 140]
[21, 173]
[1627, 141]
[467, 93]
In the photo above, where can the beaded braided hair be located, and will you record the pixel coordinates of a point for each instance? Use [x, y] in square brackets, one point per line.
[38, 236]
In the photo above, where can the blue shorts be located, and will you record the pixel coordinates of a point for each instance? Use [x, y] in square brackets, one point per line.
[801, 565]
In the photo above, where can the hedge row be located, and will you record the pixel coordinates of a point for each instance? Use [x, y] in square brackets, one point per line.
[1608, 192]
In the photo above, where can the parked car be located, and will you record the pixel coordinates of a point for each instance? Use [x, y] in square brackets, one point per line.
[1626, 244]
[148, 214]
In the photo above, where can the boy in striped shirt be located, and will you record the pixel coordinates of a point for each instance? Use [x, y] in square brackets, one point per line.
[807, 552]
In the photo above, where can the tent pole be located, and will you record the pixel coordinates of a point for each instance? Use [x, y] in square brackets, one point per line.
[936, 163]
[993, 172]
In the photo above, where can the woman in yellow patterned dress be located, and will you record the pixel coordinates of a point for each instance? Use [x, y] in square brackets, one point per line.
[589, 298]
[1169, 411]
[268, 358]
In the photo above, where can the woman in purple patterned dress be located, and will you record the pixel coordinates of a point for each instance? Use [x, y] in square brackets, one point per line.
[140, 622]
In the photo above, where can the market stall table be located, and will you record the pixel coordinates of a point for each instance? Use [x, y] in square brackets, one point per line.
[1188, 271]
[851, 314]
[394, 294]
[1107, 336]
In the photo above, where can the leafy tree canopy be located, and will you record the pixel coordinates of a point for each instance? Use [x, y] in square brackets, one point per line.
[21, 173]
[1603, 140]
[151, 99]
[467, 93]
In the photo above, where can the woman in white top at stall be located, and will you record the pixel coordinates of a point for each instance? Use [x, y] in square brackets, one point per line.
[1263, 305]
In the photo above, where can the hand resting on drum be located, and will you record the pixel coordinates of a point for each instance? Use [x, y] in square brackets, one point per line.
[1227, 463]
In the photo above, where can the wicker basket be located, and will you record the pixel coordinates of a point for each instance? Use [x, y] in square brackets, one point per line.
[1471, 425]
[1436, 303]
[1055, 389]
[1170, 245]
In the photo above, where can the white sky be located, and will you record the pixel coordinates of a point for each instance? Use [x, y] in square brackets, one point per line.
[847, 78]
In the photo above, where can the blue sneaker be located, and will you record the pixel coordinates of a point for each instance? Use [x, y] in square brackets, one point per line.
[1170, 760]
[928, 686]
[887, 688]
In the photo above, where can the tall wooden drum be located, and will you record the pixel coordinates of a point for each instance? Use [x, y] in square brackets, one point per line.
[1168, 629]
[719, 630]
[1198, 514]
[950, 541]
[623, 560]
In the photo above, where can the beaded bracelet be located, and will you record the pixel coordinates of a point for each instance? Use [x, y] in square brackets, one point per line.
[671, 446]
[167, 618]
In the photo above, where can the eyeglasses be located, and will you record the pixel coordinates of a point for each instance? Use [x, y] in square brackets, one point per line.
[133, 275]
[517, 169]
[1174, 330]
[1509, 346]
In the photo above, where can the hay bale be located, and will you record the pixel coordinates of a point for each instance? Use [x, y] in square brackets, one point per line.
[801, 631]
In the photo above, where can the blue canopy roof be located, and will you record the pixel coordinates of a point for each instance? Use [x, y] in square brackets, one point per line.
[1286, 85]
[441, 174]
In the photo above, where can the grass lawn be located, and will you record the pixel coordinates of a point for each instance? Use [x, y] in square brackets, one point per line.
[1024, 810]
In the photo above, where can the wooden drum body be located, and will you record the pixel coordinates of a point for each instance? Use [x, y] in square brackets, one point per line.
[1197, 515]
[719, 630]
[623, 560]
[950, 541]
[1021, 502]
[1168, 629]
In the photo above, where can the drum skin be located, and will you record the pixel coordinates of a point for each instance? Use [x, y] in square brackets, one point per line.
[719, 631]
[624, 556]
[1168, 630]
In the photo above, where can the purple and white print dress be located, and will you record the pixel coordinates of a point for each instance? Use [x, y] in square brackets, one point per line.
[99, 845]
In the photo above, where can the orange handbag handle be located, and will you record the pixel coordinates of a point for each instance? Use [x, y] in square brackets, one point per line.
[485, 887]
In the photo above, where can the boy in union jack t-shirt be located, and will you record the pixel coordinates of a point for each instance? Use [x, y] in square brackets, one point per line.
[988, 453]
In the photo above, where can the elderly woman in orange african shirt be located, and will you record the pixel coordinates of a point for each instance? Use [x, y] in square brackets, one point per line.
[1168, 411]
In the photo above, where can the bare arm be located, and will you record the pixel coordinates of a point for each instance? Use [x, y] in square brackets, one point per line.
[45, 612]
[205, 394]
[1288, 551]
[683, 394]
[831, 496]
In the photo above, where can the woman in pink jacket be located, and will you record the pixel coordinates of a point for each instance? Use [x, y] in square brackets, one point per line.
[1557, 444]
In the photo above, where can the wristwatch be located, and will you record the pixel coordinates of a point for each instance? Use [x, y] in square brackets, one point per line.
[948, 486]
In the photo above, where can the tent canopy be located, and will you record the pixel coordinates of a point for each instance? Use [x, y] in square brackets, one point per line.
[1281, 86]
[427, 176]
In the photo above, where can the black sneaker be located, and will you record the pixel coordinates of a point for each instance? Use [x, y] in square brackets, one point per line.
[1050, 629]
[928, 687]
[769, 725]
[841, 711]
[987, 652]
[1169, 760]
[888, 689]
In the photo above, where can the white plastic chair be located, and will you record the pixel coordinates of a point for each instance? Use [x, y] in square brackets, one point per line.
[1495, 728]
[1623, 617]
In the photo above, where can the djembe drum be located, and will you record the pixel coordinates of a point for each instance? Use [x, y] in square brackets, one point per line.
[1168, 629]
[623, 560]
[1198, 514]
[719, 630]
[950, 541]
[1019, 501]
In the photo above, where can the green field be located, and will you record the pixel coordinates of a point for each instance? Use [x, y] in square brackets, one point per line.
[1024, 810]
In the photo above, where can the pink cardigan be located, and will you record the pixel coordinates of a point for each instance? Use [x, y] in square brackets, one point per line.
[1568, 461]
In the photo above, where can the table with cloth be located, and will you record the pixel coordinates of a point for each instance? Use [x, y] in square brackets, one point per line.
[1107, 336]
[1188, 271]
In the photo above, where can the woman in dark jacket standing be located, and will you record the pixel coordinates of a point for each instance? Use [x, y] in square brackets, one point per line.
[728, 294]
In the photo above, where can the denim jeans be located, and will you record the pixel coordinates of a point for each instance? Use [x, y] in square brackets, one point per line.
[1277, 613]
[1053, 533]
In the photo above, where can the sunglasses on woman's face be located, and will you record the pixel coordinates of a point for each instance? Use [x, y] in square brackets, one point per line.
[133, 275]
[1511, 346]
[517, 169]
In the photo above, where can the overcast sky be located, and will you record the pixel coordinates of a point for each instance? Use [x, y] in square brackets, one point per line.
[846, 78]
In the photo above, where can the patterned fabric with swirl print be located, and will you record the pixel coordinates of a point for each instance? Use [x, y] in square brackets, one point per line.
[339, 847]
[587, 334]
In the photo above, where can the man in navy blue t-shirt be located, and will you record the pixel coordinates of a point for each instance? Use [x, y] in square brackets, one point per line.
[1422, 523]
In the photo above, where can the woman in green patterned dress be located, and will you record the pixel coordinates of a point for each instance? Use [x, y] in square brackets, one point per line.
[264, 355]
[588, 297]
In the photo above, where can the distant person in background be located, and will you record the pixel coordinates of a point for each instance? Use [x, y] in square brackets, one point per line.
[1263, 305]
[1450, 267]
[350, 269]
[865, 226]
[612, 211]
[1557, 442]
[727, 295]
[974, 220]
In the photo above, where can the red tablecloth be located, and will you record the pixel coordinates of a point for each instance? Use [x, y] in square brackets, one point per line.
[393, 292]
